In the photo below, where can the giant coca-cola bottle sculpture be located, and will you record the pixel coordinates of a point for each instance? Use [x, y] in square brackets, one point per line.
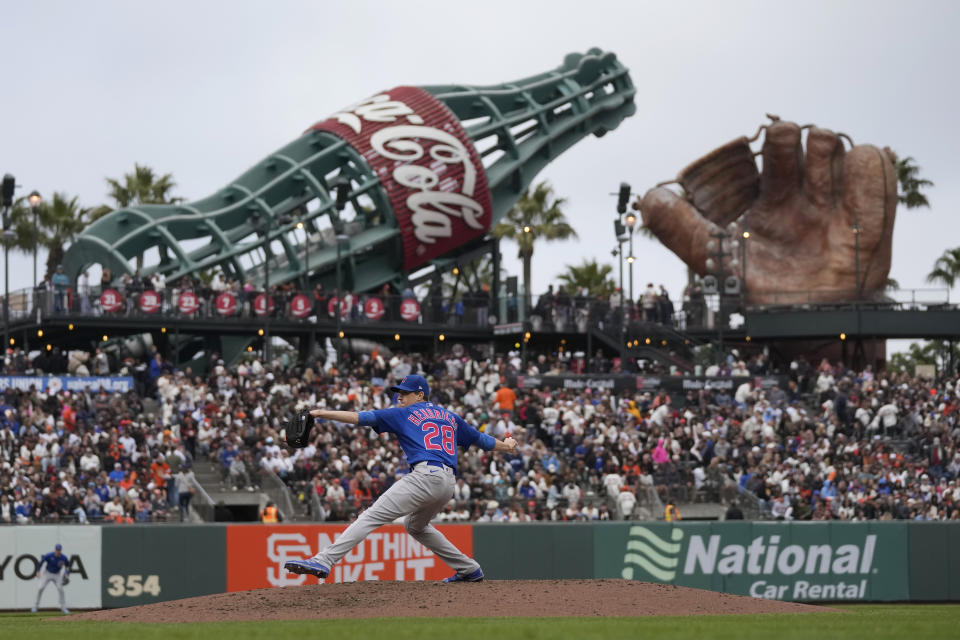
[421, 174]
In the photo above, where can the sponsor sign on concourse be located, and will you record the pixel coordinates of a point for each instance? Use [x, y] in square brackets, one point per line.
[256, 554]
[21, 548]
[800, 561]
[628, 382]
[56, 384]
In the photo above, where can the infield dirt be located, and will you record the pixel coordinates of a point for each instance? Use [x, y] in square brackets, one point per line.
[493, 598]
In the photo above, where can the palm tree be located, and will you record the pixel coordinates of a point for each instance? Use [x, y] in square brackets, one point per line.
[593, 277]
[474, 276]
[58, 222]
[943, 354]
[21, 220]
[947, 268]
[910, 184]
[535, 215]
[142, 187]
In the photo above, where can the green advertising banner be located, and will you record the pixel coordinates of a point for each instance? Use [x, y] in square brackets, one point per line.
[798, 561]
[153, 563]
[935, 561]
[534, 551]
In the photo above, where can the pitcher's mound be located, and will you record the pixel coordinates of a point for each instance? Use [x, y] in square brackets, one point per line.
[495, 598]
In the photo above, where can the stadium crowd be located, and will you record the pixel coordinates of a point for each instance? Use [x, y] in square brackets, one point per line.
[831, 444]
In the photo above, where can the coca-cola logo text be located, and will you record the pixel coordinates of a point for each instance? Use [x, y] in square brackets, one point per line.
[427, 164]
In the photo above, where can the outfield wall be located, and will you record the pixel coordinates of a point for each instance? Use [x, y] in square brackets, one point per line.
[124, 565]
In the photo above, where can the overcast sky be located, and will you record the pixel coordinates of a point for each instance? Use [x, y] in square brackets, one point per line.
[204, 90]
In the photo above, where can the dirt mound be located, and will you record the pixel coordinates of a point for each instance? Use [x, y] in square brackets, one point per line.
[493, 598]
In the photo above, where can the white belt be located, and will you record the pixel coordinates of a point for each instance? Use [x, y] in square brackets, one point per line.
[426, 465]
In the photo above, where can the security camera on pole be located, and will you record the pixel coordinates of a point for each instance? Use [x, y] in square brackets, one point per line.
[720, 279]
[623, 196]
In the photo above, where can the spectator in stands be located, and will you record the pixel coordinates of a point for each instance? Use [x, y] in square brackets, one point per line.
[671, 513]
[61, 282]
[626, 501]
[8, 512]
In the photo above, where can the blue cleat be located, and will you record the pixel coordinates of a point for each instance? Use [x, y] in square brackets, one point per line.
[309, 566]
[476, 576]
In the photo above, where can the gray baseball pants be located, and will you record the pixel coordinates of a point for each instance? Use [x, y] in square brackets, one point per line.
[57, 579]
[416, 498]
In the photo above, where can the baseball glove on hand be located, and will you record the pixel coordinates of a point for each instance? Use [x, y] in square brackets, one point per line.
[298, 429]
[65, 581]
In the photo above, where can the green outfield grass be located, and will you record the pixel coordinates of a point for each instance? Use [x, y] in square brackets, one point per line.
[874, 622]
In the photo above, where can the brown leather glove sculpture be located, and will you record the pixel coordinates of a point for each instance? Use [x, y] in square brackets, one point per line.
[817, 222]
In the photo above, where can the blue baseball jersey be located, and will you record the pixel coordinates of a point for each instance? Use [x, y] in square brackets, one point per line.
[427, 432]
[52, 563]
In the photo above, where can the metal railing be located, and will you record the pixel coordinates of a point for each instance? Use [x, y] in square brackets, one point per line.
[201, 502]
[278, 493]
[575, 316]
[317, 514]
[897, 299]
[752, 506]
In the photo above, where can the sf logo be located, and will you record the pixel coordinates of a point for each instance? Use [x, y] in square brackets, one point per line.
[280, 548]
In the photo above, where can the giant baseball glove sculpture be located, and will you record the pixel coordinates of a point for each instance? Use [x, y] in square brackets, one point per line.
[820, 224]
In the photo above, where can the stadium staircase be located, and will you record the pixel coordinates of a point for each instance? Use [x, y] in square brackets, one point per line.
[216, 500]
[223, 501]
[668, 346]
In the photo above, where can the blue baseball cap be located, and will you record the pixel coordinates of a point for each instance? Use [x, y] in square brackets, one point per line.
[412, 383]
[58, 547]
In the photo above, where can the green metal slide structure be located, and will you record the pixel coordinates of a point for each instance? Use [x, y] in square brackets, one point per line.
[285, 208]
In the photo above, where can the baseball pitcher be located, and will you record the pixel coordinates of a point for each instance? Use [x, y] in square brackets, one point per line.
[429, 436]
[54, 567]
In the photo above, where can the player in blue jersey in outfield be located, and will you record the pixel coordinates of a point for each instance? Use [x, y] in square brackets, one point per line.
[429, 436]
[53, 567]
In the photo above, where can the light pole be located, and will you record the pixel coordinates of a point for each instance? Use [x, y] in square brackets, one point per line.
[340, 239]
[266, 224]
[9, 185]
[856, 257]
[527, 295]
[341, 185]
[719, 236]
[621, 233]
[631, 220]
[306, 268]
[267, 351]
[743, 263]
[35, 200]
